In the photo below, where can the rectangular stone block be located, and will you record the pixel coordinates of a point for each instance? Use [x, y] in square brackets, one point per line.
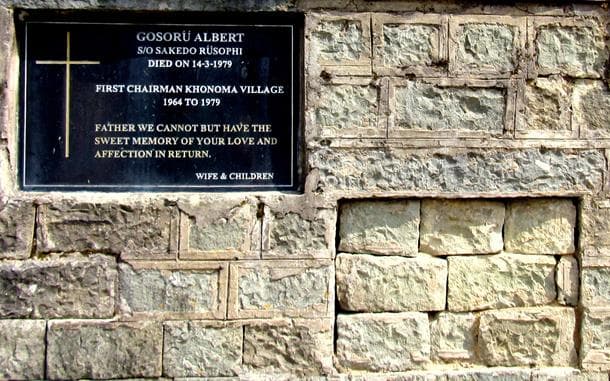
[455, 170]
[568, 278]
[594, 217]
[174, 289]
[591, 105]
[500, 281]
[298, 348]
[387, 342]
[595, 286]
[486, 46]
[380, 227]
[528, 337]
[565, 374]
[16, 229]
[454, 337]
[410, 44]
[489, 374]
[103, 349]
[219, 228]
[135, 230]
[540, 226]
[567, 46]
[267, 289]
[595, 339]
[7, 60]
[366, 283]
[74, 286]
[461, 226]
[201, 349]
[22, 349]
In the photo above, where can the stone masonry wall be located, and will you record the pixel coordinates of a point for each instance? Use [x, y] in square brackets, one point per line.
[454, 223]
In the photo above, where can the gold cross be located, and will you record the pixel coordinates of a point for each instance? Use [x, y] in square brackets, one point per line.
[67, 62]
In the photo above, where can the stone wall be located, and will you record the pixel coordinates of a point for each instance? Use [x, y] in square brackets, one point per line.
[454, 222]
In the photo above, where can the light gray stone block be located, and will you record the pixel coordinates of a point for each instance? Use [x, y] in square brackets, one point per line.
[410, 44]
[380, 227]
[101, 349]
[16, 230]
[489, 374]
[595, 339]
[341, 40]
[461, 227]
[22, 349]
[367, 283]
[486, 46]
[74, 286]
[567, 277]
[546, 108]
[591, 105]
[346, 106]
[540, 226]
[382, 342]
[454, 337]
[595, 286]
[594, 217]
[528, 337]
[565, 374]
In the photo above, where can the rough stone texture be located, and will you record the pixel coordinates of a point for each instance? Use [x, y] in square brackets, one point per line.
[424, 106]
[6, 46]
[565, 374]
[577, 51]
[196, 349]
[22, 349]
[298, 347]
[131, 230]
[528, 337]
[16, 230]
[410, 44]
[594, 217]
[458, 170]
[339, 41]
[385, 284]
[280, 288]
[595, 339]
[567, 277]
[149, 290]
[489, 374]
[71, 286]
[486, 46]
[596, 286]
[540, 226]
[453, 337]
[100, 349]
[342, 107]
[500, 281]
[546, 105]
[382, 342]
[591, 105]
[379, 227]
[461, 226]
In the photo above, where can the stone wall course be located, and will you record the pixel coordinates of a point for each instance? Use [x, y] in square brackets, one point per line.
[17, 219]
[22, 349]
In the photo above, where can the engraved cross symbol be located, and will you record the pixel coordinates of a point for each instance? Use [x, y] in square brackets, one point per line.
[67, 62]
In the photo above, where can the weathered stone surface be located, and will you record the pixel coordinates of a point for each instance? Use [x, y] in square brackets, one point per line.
[339, 41]
[196, 349]
[280, 288]
[577, 51]
[346, 106]
[594, 216]
[489, 374]
[546, 105]
[595, 339]
[485, 46]
[461, 226]
[596, 286]
[379, 227]
[382, 342]
[591, 105]
[423, 106]
[565, 374]
[453, 337]
[540, 226]
[500, 281]
[6, 46]
[298, 347]
[385, 284]
[22, 349]
[458, 170]
[72, 286]
[567, 277]
[100, 349]
[16, 230]
[528, 337]
[410, 44]
[132, 230]
[172, 290]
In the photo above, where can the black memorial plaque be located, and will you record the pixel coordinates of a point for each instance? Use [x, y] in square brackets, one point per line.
[137, 106]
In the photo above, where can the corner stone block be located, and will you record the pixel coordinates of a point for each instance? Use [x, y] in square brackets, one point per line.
[134, 231]
[102, 349]
[16, 230]
[454, 337]
[567, 277]
[22, 349]
[500, 281]
[367, 283]
[74, 286]
[591, 104]
[281, 289]
[461, 227]
[200, 349]
[540, 226]
[296, 347]
[528, 337]
[595, 339]
[184, 289]
[595, 286]
[219, 229]
[379, 227]
[384, 342]
[594, 227]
